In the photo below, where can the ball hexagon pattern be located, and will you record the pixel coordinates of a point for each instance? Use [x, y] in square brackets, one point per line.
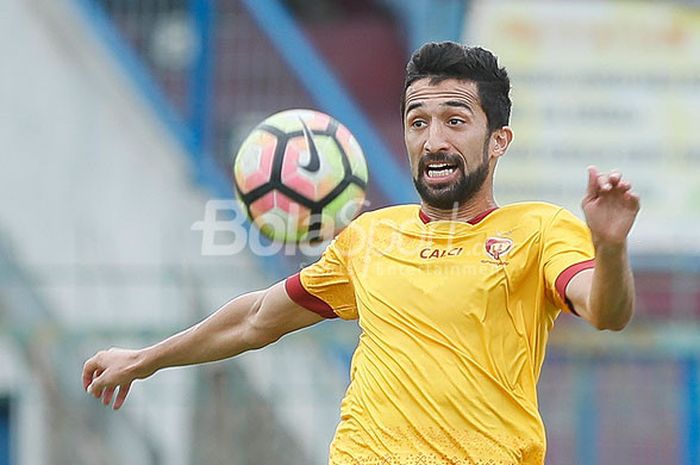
[301, 176]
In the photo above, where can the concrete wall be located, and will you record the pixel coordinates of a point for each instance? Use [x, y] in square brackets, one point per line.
[96, 204]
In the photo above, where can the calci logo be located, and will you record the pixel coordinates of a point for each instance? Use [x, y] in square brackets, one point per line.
[498, 247]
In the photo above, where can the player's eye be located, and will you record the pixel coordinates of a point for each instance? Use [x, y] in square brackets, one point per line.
[419, 123]
[455, 121]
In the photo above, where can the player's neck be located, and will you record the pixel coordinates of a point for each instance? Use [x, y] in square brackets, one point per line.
[462, 212]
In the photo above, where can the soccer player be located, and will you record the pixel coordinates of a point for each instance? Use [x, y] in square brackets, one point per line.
[455, 297]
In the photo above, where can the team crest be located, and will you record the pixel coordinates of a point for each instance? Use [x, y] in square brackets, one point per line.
[498, 247]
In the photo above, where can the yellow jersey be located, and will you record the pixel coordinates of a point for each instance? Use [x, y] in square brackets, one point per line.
[454, 320]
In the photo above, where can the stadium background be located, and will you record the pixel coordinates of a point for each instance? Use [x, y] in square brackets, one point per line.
[118, 119]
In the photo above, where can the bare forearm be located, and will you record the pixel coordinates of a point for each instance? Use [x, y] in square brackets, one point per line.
[222, 335]
[611, 300]
[247, 322]
[610, 207]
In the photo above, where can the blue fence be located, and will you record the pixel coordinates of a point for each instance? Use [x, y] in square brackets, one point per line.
[621, 407]
[4, 432]
[308, 66]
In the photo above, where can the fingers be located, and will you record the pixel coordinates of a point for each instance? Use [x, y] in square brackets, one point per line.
[108, 394]
[624, 186]
[89, 372]
[633, 199]
[94, 378]
[104, 376]
[97, 386]
[614, 178]
[592, 188]
[601, 183]
[121, 397]
[102, 390]
[606, 182]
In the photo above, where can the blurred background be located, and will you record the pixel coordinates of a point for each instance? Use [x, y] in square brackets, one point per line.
[118, 121]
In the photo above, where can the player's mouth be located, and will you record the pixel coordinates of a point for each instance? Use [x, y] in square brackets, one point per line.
[441, 172]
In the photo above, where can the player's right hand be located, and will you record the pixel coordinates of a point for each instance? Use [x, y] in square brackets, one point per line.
[110, 371]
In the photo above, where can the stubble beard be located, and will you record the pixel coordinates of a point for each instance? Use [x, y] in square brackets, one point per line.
[456, 193]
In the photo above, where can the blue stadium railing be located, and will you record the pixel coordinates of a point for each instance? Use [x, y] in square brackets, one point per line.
[188, 130]
[192, 130]
[5, 437]
[329, 94]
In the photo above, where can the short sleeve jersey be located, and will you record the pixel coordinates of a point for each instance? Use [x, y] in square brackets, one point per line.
[454, 320]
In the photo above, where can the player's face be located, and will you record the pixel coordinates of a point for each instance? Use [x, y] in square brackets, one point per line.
[447, 138]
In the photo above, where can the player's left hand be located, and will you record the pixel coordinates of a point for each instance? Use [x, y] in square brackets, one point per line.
[610, 207]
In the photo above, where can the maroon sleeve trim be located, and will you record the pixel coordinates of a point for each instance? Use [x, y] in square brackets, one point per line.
[565, 278]
[297, 292]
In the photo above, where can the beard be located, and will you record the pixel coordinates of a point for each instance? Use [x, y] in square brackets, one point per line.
[453, 194]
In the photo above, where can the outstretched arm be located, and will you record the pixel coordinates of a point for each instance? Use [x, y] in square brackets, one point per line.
[604, 296]
[247, 322]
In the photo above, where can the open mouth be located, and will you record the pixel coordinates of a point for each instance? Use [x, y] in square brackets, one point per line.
[440, 170]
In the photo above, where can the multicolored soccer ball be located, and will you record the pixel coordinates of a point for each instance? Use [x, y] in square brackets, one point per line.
[301, 176]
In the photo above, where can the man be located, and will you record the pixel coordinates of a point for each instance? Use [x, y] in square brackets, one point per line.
[455, 297]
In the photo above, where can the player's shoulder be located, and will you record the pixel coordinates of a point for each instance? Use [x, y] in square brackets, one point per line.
[541, 213]
[394, 212]
[533, 208]
[367, 221]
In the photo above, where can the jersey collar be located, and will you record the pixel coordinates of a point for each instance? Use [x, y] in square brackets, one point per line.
[426, 219]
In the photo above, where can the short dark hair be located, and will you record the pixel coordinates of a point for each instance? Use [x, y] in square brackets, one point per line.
[450, 60]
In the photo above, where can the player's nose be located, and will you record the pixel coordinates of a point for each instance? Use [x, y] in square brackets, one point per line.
[436, 140]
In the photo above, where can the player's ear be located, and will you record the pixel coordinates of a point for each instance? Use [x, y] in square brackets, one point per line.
[500, 141]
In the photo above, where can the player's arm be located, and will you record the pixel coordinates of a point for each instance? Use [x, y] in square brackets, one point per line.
[604, 296]
[247, 322]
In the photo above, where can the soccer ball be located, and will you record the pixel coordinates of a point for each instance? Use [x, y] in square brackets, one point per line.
[301, 176]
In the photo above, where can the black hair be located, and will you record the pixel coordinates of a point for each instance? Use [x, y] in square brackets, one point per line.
[449, 60]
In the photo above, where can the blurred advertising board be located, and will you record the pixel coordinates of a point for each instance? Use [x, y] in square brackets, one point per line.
[614, 84]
